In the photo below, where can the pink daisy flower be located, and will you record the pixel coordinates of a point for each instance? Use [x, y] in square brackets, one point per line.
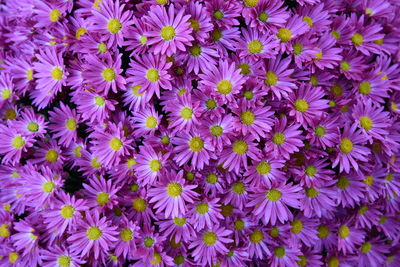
[100, 194]
[26, 238]
[12, 144]
[172, 194]
[316, 17]
[146, 122]
[30, 123]
[199, 21]
[128, 236]
[284, 256]
[50, 154]
[92, 106]
[237, 194]
[295, 27]
[313, 173]
[348, 238]
[372, 86]
[265, 171]
[352, 65]
[64, 125]
[60, 256]
[302, 229]
[48, 15]
[256, 46]
[219, 130]
[223, 13]
[178, 228]
[132, 98]
[199, 57]
[205, 213]
[372, 253]
[21, 69]
[258, 241]
[168, 31]
[328, 55]
[95, 236]
[350, 190]
[184, 115]
[319, 201]
[7, 93]
[324, 132]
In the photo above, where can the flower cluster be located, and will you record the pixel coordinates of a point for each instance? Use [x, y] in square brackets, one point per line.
[218, 133]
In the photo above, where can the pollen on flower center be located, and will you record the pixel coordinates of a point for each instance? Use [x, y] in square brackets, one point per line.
[248, 95]
[195, 50]
[311, 171]
[216, 130]
[238, 188]
[273, 195]
[209, 238]
[271, 78]
[251, 3]
[323, 231]
[167, 32]
[240, 147]
[263, 16]
[297, 48]
[196, 144]
[48, 187]
[357, 39]
[4, 232]
[302, 261]
[284, 34]
[346, 146]
[57, 73]
[151, 122]
[94, 233]
[194, 24]
[238, 225]
[280, 252]
[102, 198]
[156, 259]
[139, 204]
[186, 113]
[108, 74]
[51, 155]
[102, 48]
[247, 117]
[278, 138]
[311, 192]
[344, 231]
[29, 75]
[255, 47]
[297, 226]
[152, 75]
[70, 124]
[218, 14]
[366, 247]
[79, 32]
[369, 180]
[99, 101]
[126, 234]
[335, 35]
[211, 104]
[363, 210]
[165, 140]
[115, 144]
[301, 105]
[54, 15]
[6, 94]
[148, 241]
[174, 189]
[344, 65]
[180, 221]
[67, 211]
[18, 142]
[366, 123]
[12, 257]
[155, 165]
[320, 131]
[224, 87]
[256, 237]
[64, 261]
[364, 88]
[343, 182]
[212, 178]
[202, 208]
[94, 163]
[114, 26]
[135, 90]
[216, 35]
[245, 69]
[263, 168]
[308, 21]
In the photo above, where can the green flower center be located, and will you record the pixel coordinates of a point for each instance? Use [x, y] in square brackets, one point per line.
[364, 88]
[51, 155]
[238, 188]
[284, 34]
[369, 180]
[6, 93]
[343, 182]
[179, 260]
[94, 233]
[139, 204]
[216, 130]
[323, 231]
[335, 35]
[108, 74]
[248, 95]
[218, 14]
[196, 144]
[278, 139]
[211, 104]
[95, 163]
[155, 165]
[148, 241]
[311, 192]
[357, 39]
[297, 48]
[344, 231]
[186, 113]
[180, 221]
[363, 210]
[194, 24]
[143, 40]
[195, 50]
[382, 220]
[64, 261]
[274, 232]
[174, 189]
[346, 146]
[238, 225]
[245, 68]
[216, 35]
[99, 101]
[165, 140]
[256, 237]
[301, 105]
[212, 178]
[366, 123]
[114, 26]
[297, 226]
[151, 122]
[314, 80]
[18, 142]
[255, 47]
[224, 87]
[302, 261]
[48, 187]
[247, 117]
[167, 33]
[271, 78]
[202, 208]
[308, 21]
[152, 75]
[240, 147]
[280, 252]
[67, 211]
[54, 15]
[102, 48]
[273, 195]
[366, 247]
[209, 238]
[344, 65]
[33, 127]
[263, 168]
[311, 171]
[102, 198]
[263, 16]
[126, 234]
[320, 131]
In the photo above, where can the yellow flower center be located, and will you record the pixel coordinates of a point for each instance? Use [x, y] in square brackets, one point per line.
[335, 35]
[196, 144]
[212, 178]
[240, 147]
[297, 226]
[248, 95]
[10, 114]
[216, 35]
[126, 235]
[54, 15]
[323, 231]
[139, 204]
[308, 21]
[94, 163]
[238, 188]
[211, 104]
[67, 211]
[366, 247]
[79, 32]
[369, 180]
[155, 165]
[167, 33]
[102, 198]
[4, 232]
[148, 241]
[18, 142]
[278, 139]
[195, 50]
[364, 88]
[250, 3]
[346, 146]
[48, 187]
[337, 90]
[255, 47]
[29, 75]
[271, 78]
[64, 261]
[115, 144]
[273, 195]
[194, 24]
[57, 73]
[382, 220]
[390, 259]
[343, 182]
[378, 42]
[389, 177]
[114, 26]
[238, 225]
[280, 252]
[179, 260]
[344, 65]
[135, 90]
[165, 140]
[151, 122]
[209, 238]
[311, 192]
[6, 94]
[102, 47]
[333, 262]
[284, 34]
[302, 261]
[320, 131]
[152, 75]
[311, 171]
[186, 113]
[224, 87]
[263, 168]
[247, 117]
[156, 259]
[13, 257]
[363, 210]
[314, 80]
[366, 123]
[51, 155]
[94, 233]
[216, 130]
[297, 48]
[344, 231]
[108, 74]
[71, 124]
[274, 232]
[218, 14]
[357, 39]
[256, 237]
[245, 68]
[180, 221]
[263, 16]
[202, 208]
[226, 210]
[174, 189]
[318, 56]
[301, 105]
[99, 101]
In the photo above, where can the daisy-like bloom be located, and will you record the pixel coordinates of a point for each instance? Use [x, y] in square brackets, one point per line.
[352, 65]
[48, 15]
[146, 122]
[295, 27]
[50, 75]
[12, 144]
[30, 123]
[110, 145]
[171, 194]
[266, 15]
[212, 181]
[328, 56]
[194, 148]
[303, 229]
[210, 243]
[374, 181]
[350, 189]
[6, 89]
[136, 41]
[132, 98]
[64, 125]
[254, 120]
[100, 194]
[225, 39]
[371, 119]
[349, 237]
[149, 73]
[316, 17]
[21, 69]
[367, 216]
[199, 57]
[149, 164]
[391, 185]
[199, 21]
[111, 21]
[255, 45]
[94, 236]
[49, 154]
[219, 129]
[284, 256]
[319, 201]
[373, 87]
[26, 238]
[265, 171]
[178, 228]
[323, 133]
[184, 115]
[276, 77]
[234, 156]
[237, 194]
[222, 82]
[273, 200]
[283, 140]
[372, 253]
[258, 243]
[223, 13]
[167, 30]
[304, 50]
[307, 104]
[313, 173]
[363, 35]
[104, 73]
[128, 234]
[65, 214]
[351, 149]
[235, 257]
[93, 106]
[205, 214]
[60, 256]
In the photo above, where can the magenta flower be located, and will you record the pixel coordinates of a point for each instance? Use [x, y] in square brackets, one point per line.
[12, 144]
[65, 122]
